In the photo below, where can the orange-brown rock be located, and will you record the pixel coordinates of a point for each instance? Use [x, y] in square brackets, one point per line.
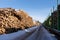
[10, 18]
[2, 30]
[26, 20]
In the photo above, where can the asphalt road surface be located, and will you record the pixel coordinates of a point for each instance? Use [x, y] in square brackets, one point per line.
[34, 33]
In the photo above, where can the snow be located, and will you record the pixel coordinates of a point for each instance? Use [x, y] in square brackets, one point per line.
[34, 33]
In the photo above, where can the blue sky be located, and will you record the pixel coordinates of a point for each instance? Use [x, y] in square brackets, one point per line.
[38, 9]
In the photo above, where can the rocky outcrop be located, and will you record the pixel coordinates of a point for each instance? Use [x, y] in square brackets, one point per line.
[26, 20]
[12, 19]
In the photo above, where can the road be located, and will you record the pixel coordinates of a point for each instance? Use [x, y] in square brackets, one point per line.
[34, 33]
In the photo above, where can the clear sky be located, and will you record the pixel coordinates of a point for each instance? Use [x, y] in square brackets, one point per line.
[38, 9]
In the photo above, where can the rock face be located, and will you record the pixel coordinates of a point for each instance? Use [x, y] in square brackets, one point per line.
[10, 20]
[26, 20]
